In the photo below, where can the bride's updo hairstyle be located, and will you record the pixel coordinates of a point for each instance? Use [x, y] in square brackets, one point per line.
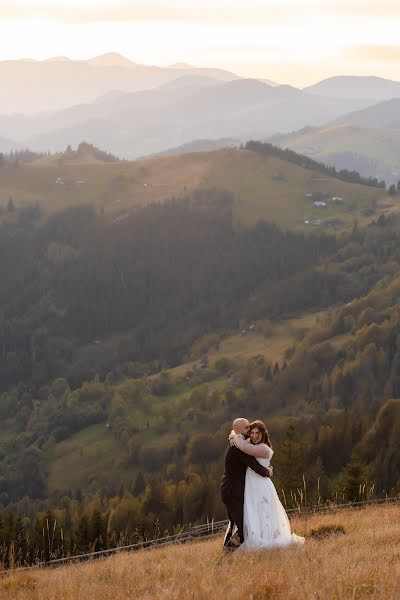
[263, 430]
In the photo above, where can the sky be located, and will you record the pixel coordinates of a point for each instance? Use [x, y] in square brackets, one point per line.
[297, 42]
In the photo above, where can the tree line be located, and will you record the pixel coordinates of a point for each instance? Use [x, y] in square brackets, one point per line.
[308, 163]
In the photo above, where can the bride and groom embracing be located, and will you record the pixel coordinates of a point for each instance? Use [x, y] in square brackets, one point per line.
[257, 518]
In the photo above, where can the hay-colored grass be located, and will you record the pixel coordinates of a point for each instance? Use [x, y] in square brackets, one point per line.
[116, 188]
[363, 563]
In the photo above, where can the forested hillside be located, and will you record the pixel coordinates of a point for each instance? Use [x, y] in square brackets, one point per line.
[97, 423]
[159, 279]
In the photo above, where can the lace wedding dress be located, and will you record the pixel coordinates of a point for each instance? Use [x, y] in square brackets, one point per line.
[266, 524]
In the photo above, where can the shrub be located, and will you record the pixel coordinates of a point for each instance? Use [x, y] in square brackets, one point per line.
[326, 531]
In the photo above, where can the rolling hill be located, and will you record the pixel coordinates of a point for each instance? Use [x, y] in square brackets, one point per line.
[385, 115]
[366, 140]
[264, 187]
[201, 146]
[369, 150]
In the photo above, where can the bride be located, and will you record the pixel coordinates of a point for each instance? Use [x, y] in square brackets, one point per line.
[266, 524]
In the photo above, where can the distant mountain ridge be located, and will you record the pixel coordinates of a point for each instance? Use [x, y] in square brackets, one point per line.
[112, 59]
[384, 114]
[193, 106]
[31, 84]
[366, 140]
[201, 146]
[371, 88]
[135, 110]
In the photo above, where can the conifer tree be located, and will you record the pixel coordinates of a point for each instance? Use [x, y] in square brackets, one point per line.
[98, 531]
[83, 534]
[140, 484]
[351, 481]
[290, 462]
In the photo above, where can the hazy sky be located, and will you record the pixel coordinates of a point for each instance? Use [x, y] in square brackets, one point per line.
[289, 41]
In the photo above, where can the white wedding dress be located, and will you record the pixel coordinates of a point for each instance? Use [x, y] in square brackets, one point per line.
[266, 524]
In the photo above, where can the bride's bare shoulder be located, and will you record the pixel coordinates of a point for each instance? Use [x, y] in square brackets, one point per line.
[268, 449]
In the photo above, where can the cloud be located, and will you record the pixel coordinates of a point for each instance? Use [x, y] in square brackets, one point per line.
[207, 11]
[382, 9]
[375, 53]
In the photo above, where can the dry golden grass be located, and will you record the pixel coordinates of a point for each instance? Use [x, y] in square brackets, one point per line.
[363, 563]
[117, 187]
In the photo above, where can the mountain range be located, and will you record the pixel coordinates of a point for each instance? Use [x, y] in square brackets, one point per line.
[56, 83]
[134, 110]
[367, 141]
[375, 89]
[175, 113]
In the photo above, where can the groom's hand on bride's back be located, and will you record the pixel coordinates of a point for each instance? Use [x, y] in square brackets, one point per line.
[270, 470]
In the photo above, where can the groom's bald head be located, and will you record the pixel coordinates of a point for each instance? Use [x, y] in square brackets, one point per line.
[241, 426]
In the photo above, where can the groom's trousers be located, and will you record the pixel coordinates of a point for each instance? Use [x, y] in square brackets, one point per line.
[234, 506]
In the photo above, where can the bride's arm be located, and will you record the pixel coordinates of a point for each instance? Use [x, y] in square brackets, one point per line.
[259, 450]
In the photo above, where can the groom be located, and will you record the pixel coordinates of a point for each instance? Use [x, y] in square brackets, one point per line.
[232, 486]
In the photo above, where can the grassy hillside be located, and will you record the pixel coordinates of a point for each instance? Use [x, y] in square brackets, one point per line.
[361, 563]
[371, 151]
[264, 187]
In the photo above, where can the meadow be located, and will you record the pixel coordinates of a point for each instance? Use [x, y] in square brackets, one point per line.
[362, 562]
[265, 187]
[378, 146]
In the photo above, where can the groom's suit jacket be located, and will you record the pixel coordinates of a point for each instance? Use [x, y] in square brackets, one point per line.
[236, 463]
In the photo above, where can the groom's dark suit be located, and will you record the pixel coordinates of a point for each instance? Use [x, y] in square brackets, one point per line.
[232, 488]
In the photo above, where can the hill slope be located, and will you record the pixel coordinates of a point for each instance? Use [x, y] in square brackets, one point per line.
[264, 187]
[340, 566]
[368, 150]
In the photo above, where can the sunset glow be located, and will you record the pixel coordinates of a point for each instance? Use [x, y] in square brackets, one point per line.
[287, 41]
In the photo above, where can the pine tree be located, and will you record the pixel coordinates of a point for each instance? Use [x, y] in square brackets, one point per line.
[154, 501]
[98, 531]
[351, 481]
[290, 470]
[83, 534]
[140, 484]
